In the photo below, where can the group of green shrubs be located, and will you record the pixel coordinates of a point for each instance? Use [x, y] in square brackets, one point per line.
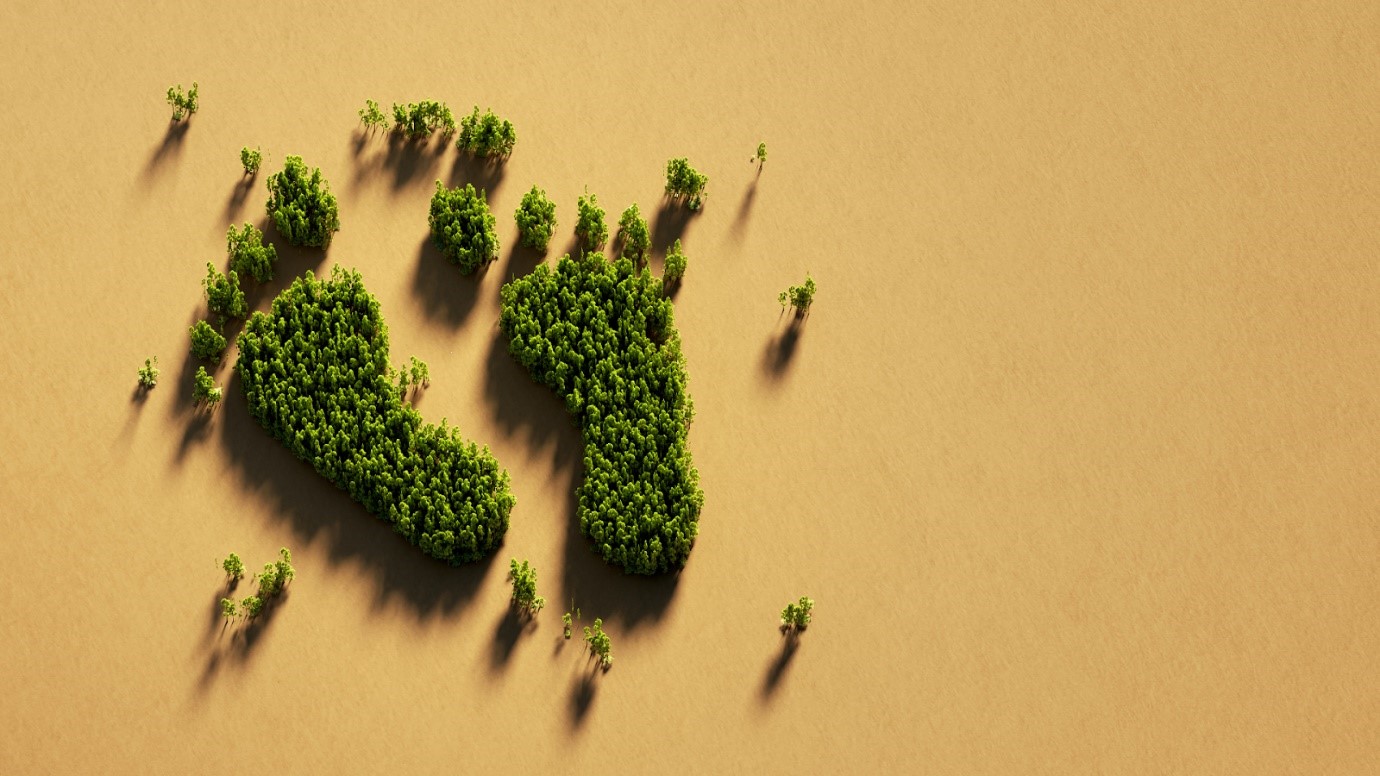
[601, 335]
[184, 104]
[481, 134]
[462, 228]
[271, 583]
[315, 373]
[301, 205]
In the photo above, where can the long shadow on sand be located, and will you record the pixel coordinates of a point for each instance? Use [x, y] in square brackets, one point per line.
[167, 151]
[229, 645]
[446, 295]
[776, 670]
[405, 161]
[780, 350]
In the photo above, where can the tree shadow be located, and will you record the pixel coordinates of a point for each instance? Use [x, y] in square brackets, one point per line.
[672, 221]
[166, 151]
[510, 628]
[737, 230]
[780, 350]
[445, 293]
[485, 173]
[239, 640]
[319, 513]
[776, 670]
[406, 160]
[238, 195]
[521, 260]
[582, 693]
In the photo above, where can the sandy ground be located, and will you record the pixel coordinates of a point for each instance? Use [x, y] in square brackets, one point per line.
[1077, 451]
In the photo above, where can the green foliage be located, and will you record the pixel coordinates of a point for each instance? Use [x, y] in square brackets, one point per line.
[800, 297]
[761, 157]
[796, 616]
[276, 575]
[251, 606]
[301, 205]
[223, 294]
[536, 219]
[207, 343]
[683, 182]
[249, 255]
[486, 135]
[567, 622]
[601, 336]
[632, 230]
[315, 376]
[421, 374]
[462, 227]
[675, 265]
[228, 610]
[372, 117]
[148, 373]
[420, 119]
[524, 579]
[590, 227]
[251, 160]
[234, 567]
[598, 642]
[204, 389]
[183, 104]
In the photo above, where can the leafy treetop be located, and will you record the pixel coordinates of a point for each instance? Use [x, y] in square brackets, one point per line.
[632, 229]
[675, 265]
[589, 226]
[183, 104]
[486, 135]
[800, 297]
[536, 219]
[223, 294]
[148, 373]
[249, 254]
[462, 227]
[301, 205]
[685, 183]
[524, 579]
[251, 160]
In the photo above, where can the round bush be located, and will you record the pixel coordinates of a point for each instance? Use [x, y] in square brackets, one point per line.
[301, 205]
[462, 227]
[536, 219]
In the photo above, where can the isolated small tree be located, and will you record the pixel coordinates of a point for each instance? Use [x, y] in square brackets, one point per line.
[800, 297]
[675, 265]
[486, 135]
[276, 575]
[250, 256]
[223, 294]
[301, 205]
[207, 343]
[797, 615]
[590, 226]
[568, 619]
[524, 579]
[598, 642]
[251, 606]
[567, 622]
[372, 117]
[761, 157]
[228, 609]
[148, 373]
[421, 374]
[251, 160]
[183, 104]
[536, 219]
[632, 230]
[233, 566]
[204, 389]
[685, 183]
[462, 227]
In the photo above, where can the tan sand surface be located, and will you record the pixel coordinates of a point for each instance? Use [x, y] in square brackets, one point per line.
[1076, 453]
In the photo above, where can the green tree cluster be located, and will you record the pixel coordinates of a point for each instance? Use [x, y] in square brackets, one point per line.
[233, 566]
[251, 160]
[148, 373]
[589, 225]
[797, 615]
[301, 204]
[486, 135]
[316, 376]
[536, 219]
[684, 183]
[675, 265]
[207, 343]
[223, 293]
[371, 116]
[601, 335]
[462, 227]
[250, 256]
[420, 119]
[598, 642]
[184, 104]
[275, 576]
[632, 230]
[524, 579]
[204, 389]
[800, 297]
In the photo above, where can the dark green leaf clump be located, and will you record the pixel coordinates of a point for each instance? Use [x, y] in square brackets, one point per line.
[419, 119]
[632, 230]
[148, 373]
[486, 135]
[685, 183]
[601, 335]
[536, 219]
[207, 343]
[301, 205]
[590, 226]
[250, 160]
[462, 227]
[184, 104]
[675, 265]
[204, 389]
[372, 117]
[249, 256]
[223, 293]
[316, 376]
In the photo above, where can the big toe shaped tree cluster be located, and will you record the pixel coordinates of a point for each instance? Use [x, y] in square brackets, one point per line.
[316, 376]
[601, 335]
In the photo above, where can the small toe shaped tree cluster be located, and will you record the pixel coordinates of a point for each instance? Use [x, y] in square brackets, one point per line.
[148, 373]
[797, 615]
[675, 265]
[204, 389]
[251, 160]
[272, 581]
[599, 644]
[420, 119]
[207, 343]
[536, 219]
[462, 227]
[524, 579]
[800, 297]
[184, 104]
[486, 135]
[301, 205]
[250, 256]
[372, 117]
[685, 183]
[632, 230]
[223, 293]
[589, 225]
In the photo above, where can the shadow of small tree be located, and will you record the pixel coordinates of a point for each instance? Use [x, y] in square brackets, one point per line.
[168, 148]
[670, 224]
[240, 639]
[510, 628]
[446, 295]
[582, 693]
[485, 173]
[780, 350]
[776, 670]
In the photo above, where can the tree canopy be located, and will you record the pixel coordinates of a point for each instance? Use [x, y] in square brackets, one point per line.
[536, 219]
[207, 343]
[685, 183]
[675, 264]
[462, 227]
[486, 135]
[632, 230]
[419, 119]
[223, 293]
[301, 205]
[249, 254]
[184, 104]
[590, 226]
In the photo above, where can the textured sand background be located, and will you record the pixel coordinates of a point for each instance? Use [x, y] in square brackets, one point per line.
[1077, 451]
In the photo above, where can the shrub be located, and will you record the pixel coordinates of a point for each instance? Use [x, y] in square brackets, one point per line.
[796, 616]
[315, 376]
[204, 389]
[183, 104]
[800, 297]
[567, 622]
[761, 157]
[675, 265]
[251, 606]
[371, 116]
[590, 227]
[486, 135]
[683, 182]
[599, 644]
[207, 343]
[223, 294]
[421, 374]
[234, 567]
[148, 373]
[601, 336]
[276, 575]
[536, 219]
[632, 229]
[251, 160]
[420, 119]
[524, 579]
[228, 610]
[249, 256]
[462, 227]
[301, 205]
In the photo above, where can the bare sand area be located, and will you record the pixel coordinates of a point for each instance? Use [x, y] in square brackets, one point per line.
[1077, 451]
